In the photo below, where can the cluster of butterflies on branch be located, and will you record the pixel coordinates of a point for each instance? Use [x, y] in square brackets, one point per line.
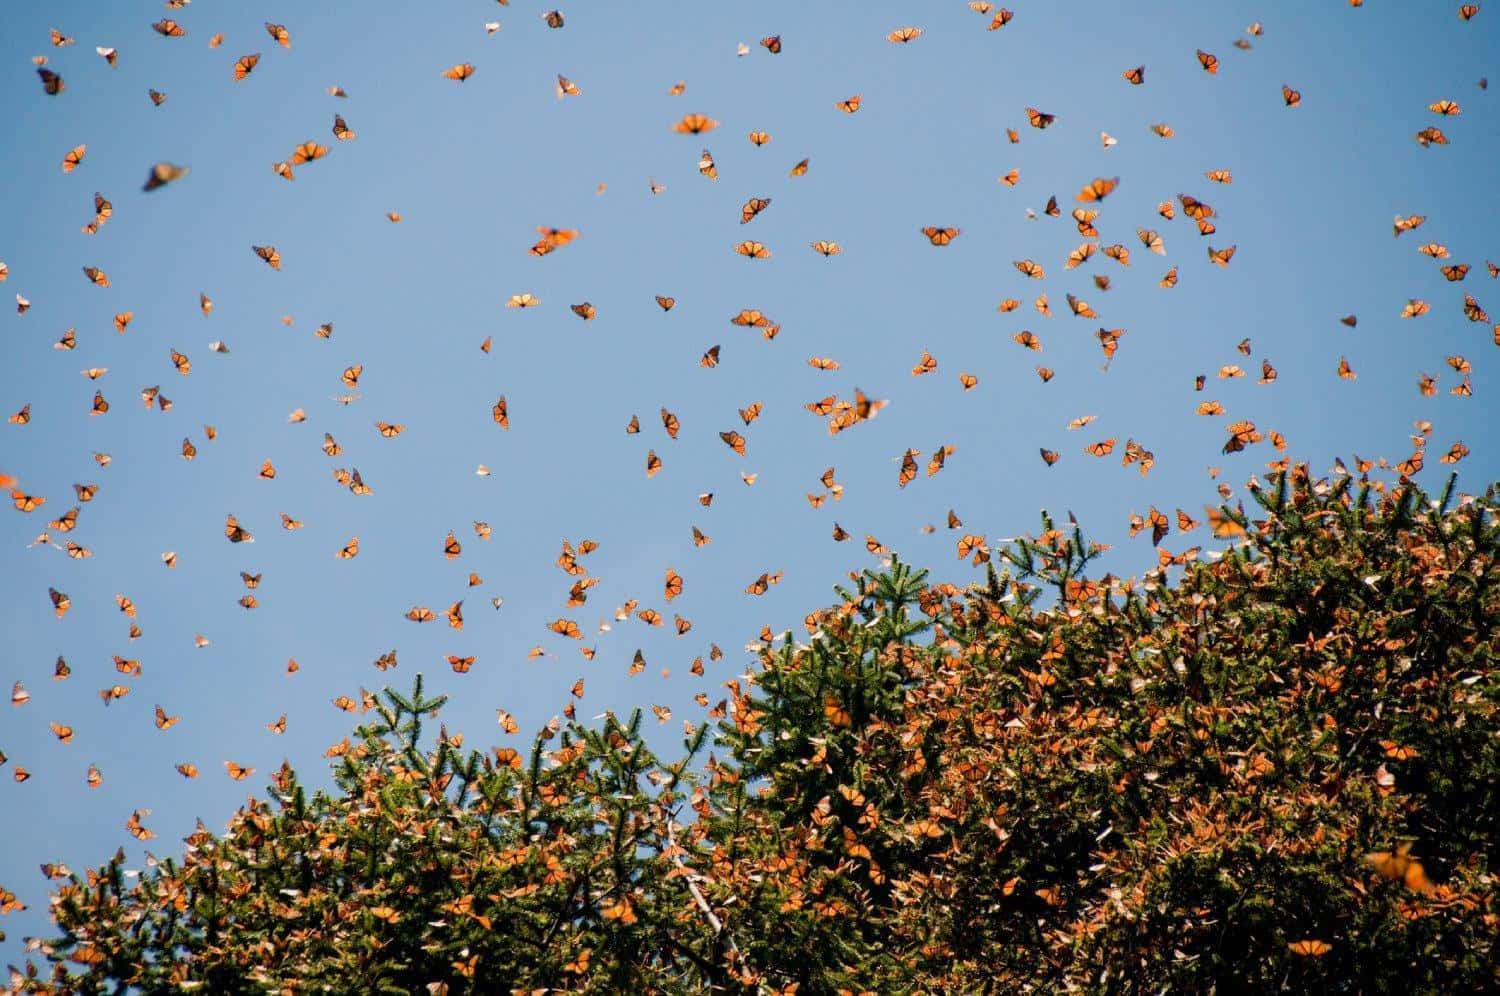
[1190, 212]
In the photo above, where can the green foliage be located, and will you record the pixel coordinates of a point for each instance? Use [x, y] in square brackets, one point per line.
[1277, 771]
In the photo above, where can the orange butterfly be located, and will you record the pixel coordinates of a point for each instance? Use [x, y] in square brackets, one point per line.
[1038, 119]
[695, 124]
[1098, 189]
[940, 236]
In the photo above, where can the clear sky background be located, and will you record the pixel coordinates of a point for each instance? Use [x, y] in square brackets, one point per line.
[473, 168]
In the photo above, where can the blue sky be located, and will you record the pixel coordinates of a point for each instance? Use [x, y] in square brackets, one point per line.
[473, 168]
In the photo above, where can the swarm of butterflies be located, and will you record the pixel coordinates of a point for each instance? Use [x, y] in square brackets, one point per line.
[64, 517]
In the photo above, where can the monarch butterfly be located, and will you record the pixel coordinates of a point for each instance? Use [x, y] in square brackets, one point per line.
[1080, 307]
[1102, 448]
[566, 627]
[500, 412]
[904, 35]
[670, 423]
[237, 772]
[283, 170]
[1209, 63]
[1221, 257]
[772, 44]
[584, 310]
[1408, 223]
[73, 158]
[341, 130]
[566, 87]
[96, 276]
[653, 463]
[168, 28]
[1309, 947]
[1344, 369]
[1042, 306]
[1219, 176]
[940, 236]
[1038, 119]
[388, 430]
[751, 413]
[244, 65]
[753, 250]
[665, 303]
[1001, 19]
[1010, 179]
[827, 248]
[1468, 10]
[1118, 253]
[1454, 273]
[51, 82]
[649, 616]
[553, 18]
[967, 381]
[1080, 255]
[269, 254]
[1222, 523]
[710, 358]
[460, 71]
[235, 533]
[1151, 240]
[753, 207]
[307, 152]
[926, 365]
[157, 97]
[849, 106]
[695, 124]
[1098, 189]
[908, 471]
[1292, 97]
[1400, 866]
[100, 406]
[1170, 279]
[1030, 269]
[279, 32]
[1431, 136]
[1028, 339]
[759, 138]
